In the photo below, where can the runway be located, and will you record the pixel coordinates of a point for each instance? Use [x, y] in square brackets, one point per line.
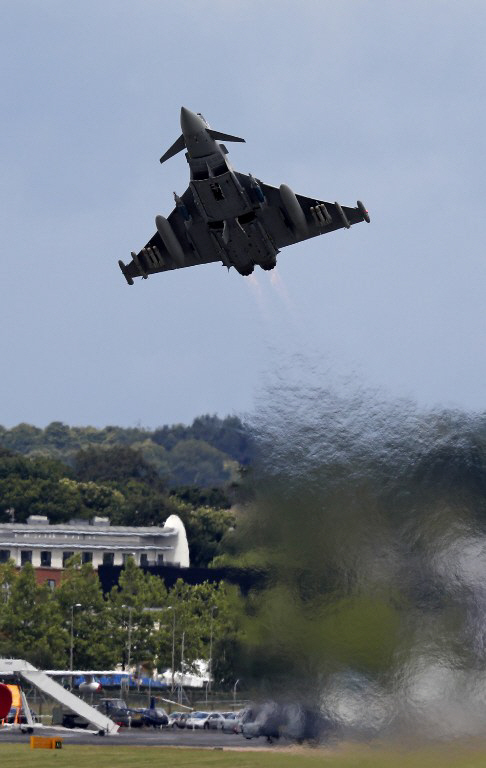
[149, 737]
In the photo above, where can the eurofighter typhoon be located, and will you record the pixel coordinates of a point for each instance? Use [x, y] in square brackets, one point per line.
[228, 216]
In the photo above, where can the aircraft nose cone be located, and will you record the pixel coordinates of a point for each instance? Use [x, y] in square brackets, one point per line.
[190, 122]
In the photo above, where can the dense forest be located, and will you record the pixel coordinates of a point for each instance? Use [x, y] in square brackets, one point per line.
[132, 476]
[206, 454]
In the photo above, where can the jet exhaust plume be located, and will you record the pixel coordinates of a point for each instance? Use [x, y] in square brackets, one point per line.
[370, 517]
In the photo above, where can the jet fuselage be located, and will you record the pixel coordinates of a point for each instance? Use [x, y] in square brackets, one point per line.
[228, 208]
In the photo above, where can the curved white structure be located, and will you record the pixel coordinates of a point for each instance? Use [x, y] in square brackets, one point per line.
[180, 553]
[48, 547]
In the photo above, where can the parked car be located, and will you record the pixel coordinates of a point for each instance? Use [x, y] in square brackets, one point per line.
[230, 722]
[177, 719]
[264, 720]
[156, 717]
[198, 720]
[215, 721]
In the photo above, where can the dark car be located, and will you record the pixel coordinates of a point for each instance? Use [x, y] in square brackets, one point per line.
[72, 720]
[156, 717]
[291, 721]
[177, 720]
[117, 710]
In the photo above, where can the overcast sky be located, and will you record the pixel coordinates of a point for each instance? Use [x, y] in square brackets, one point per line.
[377, 100]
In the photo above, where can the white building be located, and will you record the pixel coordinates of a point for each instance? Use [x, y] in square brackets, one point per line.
[48, 547]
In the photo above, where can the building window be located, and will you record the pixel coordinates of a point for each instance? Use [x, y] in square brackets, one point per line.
[126, 556]
[4, 555]
[65, 557]
[45, 559]
[51, 583]
[25, 556]
[108, 558]
[160, 559]
[87, 557]
[144, 559]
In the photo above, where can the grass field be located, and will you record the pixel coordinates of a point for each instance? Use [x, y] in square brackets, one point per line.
[455, 755]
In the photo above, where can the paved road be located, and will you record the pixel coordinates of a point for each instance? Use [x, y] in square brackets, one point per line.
[152, 737]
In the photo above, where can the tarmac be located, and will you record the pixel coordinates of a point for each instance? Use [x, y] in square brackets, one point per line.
[148, 737]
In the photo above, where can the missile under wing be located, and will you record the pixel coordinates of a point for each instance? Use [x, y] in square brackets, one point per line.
[230, 217]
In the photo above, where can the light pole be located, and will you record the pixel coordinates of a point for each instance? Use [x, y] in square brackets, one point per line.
[213, 608]
[234, 693]
[71, 649]
[129, 643]
[129, 639]
[173, 647]
[182, 667]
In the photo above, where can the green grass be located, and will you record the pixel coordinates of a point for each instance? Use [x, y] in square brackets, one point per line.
[454, 755]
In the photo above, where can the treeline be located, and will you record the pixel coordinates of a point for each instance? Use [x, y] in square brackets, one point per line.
[118, 483]
[132, 476]
[37, 623]
[206, 454]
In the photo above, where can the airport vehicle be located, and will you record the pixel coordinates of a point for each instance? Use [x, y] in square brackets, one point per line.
[17, 670]
[230, 217]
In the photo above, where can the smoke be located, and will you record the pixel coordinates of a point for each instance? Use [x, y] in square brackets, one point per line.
[370, 517]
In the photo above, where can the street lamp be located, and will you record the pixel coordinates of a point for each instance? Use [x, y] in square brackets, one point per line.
[182, 667]
[234, 693]
[213, 608]
[71, 650]
[173, 648]
[129, 644]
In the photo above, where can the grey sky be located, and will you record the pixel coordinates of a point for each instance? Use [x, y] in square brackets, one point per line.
[382, 101]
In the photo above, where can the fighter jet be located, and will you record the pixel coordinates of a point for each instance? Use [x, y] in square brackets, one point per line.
[228, 216]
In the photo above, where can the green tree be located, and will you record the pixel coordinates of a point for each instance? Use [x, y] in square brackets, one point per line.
[130, 618]
[31, 623]
[80, 601]
[194, 462]
[202, 622]
[206, 529]
[116, 465]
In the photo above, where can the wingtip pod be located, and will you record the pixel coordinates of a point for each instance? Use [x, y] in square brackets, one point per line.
[363, 211]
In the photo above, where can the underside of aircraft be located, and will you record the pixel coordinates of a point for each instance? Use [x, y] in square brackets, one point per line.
[229, 217]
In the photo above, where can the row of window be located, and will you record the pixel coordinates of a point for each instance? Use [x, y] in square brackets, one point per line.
[87, 557]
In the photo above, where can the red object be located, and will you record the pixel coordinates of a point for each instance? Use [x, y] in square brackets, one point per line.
[5, 700]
